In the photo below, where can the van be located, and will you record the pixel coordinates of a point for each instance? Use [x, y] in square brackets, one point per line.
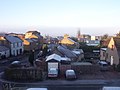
[52, 72]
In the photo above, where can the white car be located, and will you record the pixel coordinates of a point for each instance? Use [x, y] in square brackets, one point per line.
[37, 89]
[111, 88]
[103, 66]
[70, 74]
[53, 72]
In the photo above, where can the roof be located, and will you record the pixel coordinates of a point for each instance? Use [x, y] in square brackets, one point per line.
[55, 57]
[78, 51]
[29, 40]
[68, 53]
[104, 49]
[3, 48]
[65, 59]
[35, 40]
[13, 39]
[32, 32]
[67, 40]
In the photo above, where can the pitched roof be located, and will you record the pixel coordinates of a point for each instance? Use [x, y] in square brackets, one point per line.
[3, 48]
[67, 40]
[29, 40]
[13, 39]
[66, 52]
[55, 57]
[32, 31]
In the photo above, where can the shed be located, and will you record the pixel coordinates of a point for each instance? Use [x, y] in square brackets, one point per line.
[53, 61]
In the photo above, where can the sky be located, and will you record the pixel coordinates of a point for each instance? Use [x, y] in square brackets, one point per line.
[58, 17]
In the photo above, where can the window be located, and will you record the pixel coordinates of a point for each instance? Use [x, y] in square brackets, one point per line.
[11, 45]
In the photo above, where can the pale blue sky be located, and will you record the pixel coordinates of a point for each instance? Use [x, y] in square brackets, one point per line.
[61, 13]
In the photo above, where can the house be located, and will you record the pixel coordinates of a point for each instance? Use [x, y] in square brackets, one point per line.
[103, 53]
[69, 42]
[28, 44]
[14, 43]
[36, 36]
[105, 42]
[4, 52]
[32, 34]
[113, 51]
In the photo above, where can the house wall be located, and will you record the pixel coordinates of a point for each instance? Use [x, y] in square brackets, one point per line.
[112, 51]
[17, 48]
[102, 55]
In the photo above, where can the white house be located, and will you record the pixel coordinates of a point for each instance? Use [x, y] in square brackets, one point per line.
[14, 43]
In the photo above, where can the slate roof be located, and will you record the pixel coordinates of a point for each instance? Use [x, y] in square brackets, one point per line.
[3, 48]
[13, 39]
[68, 53]
[29, 40]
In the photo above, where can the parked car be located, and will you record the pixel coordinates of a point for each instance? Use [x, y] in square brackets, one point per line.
[52, 72]
[111, 88]
[70, 74]
[15, 64]
[103, 66]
